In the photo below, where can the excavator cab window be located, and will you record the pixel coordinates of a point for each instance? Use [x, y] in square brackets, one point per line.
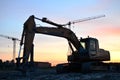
[92, 45]
[83, 45]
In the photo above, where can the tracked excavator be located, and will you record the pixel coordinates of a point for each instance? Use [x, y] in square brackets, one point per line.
[83, 58]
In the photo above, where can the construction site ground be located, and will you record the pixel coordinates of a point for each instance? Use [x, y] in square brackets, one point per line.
[50, 74]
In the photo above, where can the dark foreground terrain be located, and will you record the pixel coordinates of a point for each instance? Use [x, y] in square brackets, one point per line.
[50, 74]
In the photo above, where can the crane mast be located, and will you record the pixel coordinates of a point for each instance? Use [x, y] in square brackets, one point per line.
[14, 44]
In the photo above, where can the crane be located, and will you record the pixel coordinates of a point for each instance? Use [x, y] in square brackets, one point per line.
[14, 44]
[82, 20]
[44, 19]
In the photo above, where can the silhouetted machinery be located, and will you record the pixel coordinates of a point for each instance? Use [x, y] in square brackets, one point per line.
[14, 44]
[86, 54]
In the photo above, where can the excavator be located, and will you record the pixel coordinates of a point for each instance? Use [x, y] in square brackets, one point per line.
[85, 55]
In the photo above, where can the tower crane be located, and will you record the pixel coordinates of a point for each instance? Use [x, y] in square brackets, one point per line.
[44, 19]
[14, 44]
[82, 20]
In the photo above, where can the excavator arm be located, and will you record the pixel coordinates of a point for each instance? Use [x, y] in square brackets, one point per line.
[29, 32]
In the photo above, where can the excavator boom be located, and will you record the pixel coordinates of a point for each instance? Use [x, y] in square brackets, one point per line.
[29, 32]
[60, 32]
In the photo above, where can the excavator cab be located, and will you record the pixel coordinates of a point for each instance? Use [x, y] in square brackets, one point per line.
[91, 45]
[90, 52]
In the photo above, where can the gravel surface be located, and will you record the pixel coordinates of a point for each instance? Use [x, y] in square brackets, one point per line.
[50, 74]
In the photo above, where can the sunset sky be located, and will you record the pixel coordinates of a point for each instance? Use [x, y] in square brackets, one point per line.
[14, 13]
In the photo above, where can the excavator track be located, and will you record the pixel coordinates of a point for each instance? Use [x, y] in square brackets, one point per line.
[88, 67]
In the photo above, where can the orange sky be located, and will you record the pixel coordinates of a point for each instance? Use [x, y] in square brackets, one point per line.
[55, 49]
